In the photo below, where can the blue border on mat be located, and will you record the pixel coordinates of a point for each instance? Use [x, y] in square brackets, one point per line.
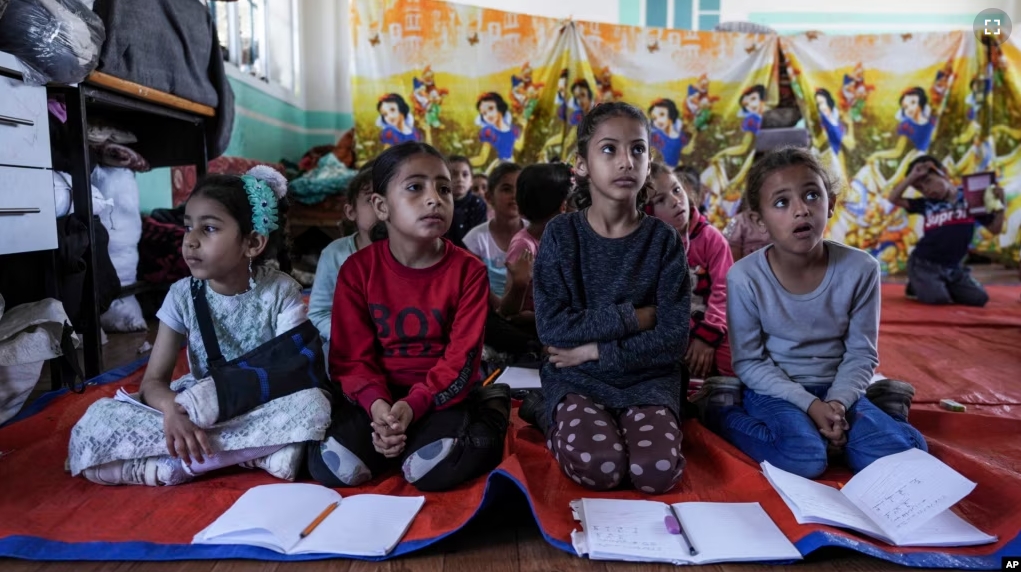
[817, 540]
[35, 548]
[115, 374]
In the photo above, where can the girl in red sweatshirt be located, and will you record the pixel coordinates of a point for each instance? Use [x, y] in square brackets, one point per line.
[408, 315]
[709, 259]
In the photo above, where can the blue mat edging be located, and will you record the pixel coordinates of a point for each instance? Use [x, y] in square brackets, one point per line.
[36, 548]
[816, 540]
[115, 374]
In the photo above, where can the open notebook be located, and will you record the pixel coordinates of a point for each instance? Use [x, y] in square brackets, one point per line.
[901, 499]
[634, 530]
[273, 517]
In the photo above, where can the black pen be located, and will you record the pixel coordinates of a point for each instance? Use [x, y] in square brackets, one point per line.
[673, 526]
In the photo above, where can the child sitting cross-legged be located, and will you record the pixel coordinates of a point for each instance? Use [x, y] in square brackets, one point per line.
[359, 211]
[803, 316]
[256, 362]
[408, 319]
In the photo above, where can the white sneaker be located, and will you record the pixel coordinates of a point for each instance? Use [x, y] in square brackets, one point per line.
[150, 471]
[283, 463]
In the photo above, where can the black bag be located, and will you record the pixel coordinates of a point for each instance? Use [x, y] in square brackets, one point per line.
[289, 363]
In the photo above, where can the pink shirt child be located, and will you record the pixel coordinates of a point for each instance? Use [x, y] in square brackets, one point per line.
[709, 260]
[744, 235]
[523, 241]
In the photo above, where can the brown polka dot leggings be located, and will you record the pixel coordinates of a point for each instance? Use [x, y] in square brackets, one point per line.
[597, 447]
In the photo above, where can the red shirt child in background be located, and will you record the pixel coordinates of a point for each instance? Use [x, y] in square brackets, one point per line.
[709, 260]
[409, 313]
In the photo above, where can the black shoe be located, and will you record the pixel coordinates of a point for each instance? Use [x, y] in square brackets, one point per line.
[909, 292]
[892, 396]
[716, 392]
[531, 410]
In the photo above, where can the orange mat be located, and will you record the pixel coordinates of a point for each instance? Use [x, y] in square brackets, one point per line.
[967, 354]
[45, 514]
[970, 355]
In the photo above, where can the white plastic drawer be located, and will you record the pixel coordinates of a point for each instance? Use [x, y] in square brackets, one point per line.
[27, 218]
[24, 131]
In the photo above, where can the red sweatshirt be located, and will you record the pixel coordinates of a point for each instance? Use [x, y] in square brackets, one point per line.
[418, 329]
[709, 259]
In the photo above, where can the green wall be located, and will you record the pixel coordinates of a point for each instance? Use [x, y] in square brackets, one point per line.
[265, 128]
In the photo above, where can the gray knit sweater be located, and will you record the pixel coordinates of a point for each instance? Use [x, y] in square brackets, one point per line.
[586, 289]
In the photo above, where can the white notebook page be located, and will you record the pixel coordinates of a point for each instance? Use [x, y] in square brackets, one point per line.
[282, 510]
[363, 525]
[520, 378]
[734, 532]
[904, 491]
[630, 530]
[817, 503]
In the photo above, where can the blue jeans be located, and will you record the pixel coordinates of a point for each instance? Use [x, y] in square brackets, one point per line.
[770, 429]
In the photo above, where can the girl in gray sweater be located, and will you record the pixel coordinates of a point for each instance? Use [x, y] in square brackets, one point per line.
[803, 319]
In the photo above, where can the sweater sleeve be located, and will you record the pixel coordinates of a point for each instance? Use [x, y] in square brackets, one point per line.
[717, 260]
[353, 361]
[664, 344]
[861, 350]
[752, 364]
[450, 380]
[558, 323]
[320, 301]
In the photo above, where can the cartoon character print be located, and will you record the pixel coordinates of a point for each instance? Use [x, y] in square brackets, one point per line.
[524, 92]
[855, 92]
[753, 105]
[941, 86]
[396, 121]
[604, 81]
[428, 98]
[668, 137]
[496, 126]
[699, 103]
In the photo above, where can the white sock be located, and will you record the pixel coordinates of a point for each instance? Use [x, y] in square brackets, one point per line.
[425, 459]
[344, 464]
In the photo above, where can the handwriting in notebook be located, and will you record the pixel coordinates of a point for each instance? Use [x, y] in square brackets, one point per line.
[902, 503]
[626, 538]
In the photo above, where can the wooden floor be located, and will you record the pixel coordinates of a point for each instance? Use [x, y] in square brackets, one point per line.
[504, 538]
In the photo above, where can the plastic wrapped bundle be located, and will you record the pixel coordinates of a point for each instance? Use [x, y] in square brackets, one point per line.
[58, 41]
[330, 177]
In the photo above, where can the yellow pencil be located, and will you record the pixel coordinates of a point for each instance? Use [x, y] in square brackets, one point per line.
[319, 519]
[492, 377]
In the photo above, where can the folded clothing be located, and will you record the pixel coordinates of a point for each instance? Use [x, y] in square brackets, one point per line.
[116, 155]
